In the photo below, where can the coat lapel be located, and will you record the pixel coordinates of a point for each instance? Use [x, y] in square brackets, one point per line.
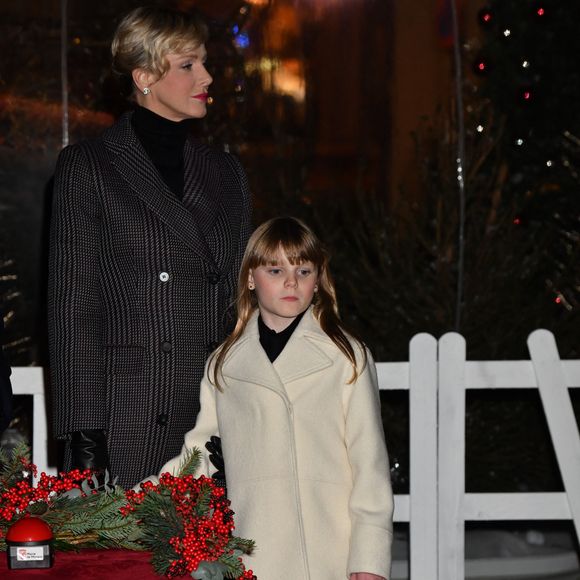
[202, 186]
[301, 356]
[135, 167]
[248, 362]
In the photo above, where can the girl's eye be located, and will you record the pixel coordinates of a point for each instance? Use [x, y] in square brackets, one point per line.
[274, 271]
[304, 272]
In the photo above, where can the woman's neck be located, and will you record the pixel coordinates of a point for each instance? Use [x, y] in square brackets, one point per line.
[149, 123]
[163, 141]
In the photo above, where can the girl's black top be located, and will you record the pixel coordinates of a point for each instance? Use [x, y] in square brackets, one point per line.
[274, 342]
[163, 140]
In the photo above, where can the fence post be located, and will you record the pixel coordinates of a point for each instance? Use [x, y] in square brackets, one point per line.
[451, 457]
[559, 414]
[423, 457]
[30, 381]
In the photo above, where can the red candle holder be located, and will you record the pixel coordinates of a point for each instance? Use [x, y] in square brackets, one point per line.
[29, 543]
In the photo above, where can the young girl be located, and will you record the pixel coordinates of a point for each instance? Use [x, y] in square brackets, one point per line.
[295, 401]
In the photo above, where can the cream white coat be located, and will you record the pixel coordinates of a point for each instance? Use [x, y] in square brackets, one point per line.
[305, 457]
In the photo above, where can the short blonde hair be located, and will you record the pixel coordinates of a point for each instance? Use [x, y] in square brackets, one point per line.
[148, 34]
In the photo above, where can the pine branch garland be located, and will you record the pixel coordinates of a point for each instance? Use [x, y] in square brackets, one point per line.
[11, 463]
[190, 463]
[167, 518]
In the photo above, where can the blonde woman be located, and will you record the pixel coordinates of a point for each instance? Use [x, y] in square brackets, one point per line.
[295, 401]
[148, 231]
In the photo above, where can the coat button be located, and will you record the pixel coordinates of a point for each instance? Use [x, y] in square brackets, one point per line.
[164, 276]
[213, 277]
[166, 347]
[162, 419]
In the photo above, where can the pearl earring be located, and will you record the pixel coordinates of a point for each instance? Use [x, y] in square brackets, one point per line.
[251, 286]
[146, 90]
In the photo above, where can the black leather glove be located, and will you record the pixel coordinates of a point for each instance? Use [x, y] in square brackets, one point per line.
[89, 450]
[214, 446]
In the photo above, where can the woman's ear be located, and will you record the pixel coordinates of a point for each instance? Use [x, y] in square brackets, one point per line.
[142, 79]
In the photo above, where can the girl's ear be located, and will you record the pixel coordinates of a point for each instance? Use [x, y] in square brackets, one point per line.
[251, 284]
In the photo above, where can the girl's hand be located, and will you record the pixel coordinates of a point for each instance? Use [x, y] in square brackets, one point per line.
[365, 576]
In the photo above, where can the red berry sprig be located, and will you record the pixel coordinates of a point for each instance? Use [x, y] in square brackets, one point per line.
[205, 533]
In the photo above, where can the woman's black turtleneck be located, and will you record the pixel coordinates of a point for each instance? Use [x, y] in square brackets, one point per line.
[163, 140]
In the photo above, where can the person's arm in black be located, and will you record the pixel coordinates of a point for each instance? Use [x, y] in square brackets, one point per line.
[5, 385]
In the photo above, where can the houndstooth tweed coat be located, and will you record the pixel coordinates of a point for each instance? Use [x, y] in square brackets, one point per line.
[140, 291]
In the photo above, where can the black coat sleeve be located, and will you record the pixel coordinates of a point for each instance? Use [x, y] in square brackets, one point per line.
[5, 386]
[245, 220]
[74, 308]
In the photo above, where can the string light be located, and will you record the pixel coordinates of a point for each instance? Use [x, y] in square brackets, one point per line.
[481, 66]
[486, 17]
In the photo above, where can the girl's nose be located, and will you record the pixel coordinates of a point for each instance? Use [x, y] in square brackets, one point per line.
[291, 280]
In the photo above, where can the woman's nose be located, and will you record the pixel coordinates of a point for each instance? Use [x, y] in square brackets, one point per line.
[209, 78]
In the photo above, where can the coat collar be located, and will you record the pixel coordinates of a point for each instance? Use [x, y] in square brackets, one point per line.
[301, 356]
[135, 167]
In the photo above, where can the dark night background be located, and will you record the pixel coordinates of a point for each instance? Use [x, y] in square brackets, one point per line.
[343, 112]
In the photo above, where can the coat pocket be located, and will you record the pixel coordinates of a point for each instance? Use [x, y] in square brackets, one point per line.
[124, 360]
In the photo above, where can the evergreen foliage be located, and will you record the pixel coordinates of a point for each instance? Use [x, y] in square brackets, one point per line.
[163, 518]
[190, 463]
[11, 465]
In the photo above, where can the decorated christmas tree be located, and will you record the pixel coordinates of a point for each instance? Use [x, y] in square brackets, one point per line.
[529, 72]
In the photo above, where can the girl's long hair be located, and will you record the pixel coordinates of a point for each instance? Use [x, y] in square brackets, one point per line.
[298, 242]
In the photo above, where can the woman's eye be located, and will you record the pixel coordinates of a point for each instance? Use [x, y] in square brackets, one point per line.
[187, 66]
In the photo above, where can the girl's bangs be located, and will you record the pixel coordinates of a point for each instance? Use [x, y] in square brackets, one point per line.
[296, 251]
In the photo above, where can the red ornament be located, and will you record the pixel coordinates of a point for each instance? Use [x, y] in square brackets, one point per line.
[29, 542]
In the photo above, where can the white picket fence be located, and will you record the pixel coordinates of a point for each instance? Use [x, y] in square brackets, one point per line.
[437, 507]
